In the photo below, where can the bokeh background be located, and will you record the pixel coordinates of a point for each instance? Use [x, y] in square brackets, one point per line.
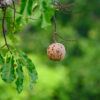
[77, 77]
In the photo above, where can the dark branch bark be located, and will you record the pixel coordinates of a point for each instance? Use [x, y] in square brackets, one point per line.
[55, 26]
[3, 19]
[14, 13]
[65, 39]
[56, 33]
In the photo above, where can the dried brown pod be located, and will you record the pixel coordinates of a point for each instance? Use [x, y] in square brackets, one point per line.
[56, 51]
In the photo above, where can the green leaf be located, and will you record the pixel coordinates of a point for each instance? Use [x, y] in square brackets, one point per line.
[22, 6]
[29, 7]
[8, 74]
[1, 59]
[26, 8]
[1, 62]
[9, 22]
[19, 23]
[20, 76]
[47, 12]
[31, 69]
[25, 12]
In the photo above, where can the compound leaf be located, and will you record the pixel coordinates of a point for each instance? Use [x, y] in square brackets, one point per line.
[8, 74]
[20, 76]
[31, 69]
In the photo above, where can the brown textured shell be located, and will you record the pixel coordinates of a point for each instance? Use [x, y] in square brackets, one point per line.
[56, 51]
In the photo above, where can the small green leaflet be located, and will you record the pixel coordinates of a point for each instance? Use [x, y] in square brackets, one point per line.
[1, 62]
[47, 12]
[9, 20]
[8, 74]
[31, 69]
[26, 8]
[46, 9]
[25, 12]
[20, 76]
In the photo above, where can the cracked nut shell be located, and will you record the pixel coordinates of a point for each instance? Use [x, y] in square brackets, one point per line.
[56, 51]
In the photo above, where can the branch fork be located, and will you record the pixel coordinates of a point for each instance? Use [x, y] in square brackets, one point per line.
[56, 33]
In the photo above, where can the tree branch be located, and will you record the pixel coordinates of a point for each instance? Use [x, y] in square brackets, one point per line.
[56, 33]
[65, 39]
[55, 26]
[14, 13]
[4, 13]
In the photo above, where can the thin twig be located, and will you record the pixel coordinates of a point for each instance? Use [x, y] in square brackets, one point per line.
[61, 6]
[56, 33]
[55, 26]
[14, 13]
[64, 38]
[65, 8]
[4, 13]
[70, 12]
[70, 5]
[22, 15]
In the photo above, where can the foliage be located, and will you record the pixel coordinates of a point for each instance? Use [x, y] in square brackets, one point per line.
[75, 78]
[11, 69]
[23, 15]
[82, 59]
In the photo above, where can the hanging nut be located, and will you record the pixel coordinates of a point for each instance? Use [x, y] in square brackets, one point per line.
[56, 51]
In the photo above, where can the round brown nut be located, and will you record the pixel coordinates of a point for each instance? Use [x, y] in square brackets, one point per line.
[56, 51]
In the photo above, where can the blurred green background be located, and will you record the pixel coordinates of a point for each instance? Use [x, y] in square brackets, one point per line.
[77, 77]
